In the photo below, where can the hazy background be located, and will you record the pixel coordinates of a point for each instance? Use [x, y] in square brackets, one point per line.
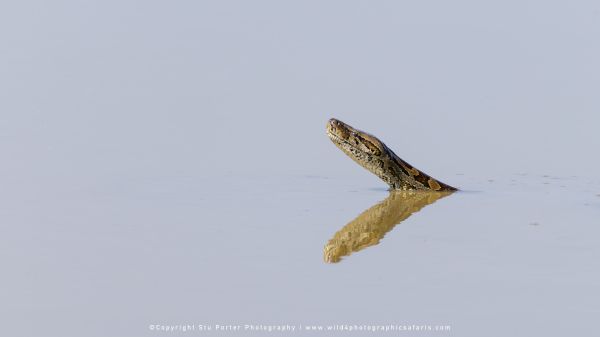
[188, 137]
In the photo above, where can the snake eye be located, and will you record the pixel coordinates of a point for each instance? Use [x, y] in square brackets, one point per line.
[343, 132]
[372, 148]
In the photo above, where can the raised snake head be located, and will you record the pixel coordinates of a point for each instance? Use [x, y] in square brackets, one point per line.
[357, 142]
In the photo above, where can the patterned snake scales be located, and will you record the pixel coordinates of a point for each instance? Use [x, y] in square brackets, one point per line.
[370, 153]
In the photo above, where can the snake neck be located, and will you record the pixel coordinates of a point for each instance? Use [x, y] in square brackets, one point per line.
[407, 176]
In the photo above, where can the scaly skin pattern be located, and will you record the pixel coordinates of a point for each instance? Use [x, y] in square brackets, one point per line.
[371, 226]
[370, 153]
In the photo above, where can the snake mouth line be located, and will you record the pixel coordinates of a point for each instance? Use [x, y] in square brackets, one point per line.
[341, 141]
[337, 138]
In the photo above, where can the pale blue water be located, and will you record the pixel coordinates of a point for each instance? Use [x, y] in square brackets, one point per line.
[248, 249]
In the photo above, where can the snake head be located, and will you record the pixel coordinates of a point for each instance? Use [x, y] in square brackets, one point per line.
[344, 135]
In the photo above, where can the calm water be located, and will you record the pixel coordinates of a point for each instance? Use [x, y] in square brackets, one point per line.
[515, 253]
